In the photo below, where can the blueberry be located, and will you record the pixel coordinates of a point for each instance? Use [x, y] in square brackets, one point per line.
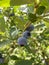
[26, 34]
[22, 41]
[30, 28]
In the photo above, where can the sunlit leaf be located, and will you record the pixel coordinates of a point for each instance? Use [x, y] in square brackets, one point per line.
[19, 22]
[4, 3]
[46, 23]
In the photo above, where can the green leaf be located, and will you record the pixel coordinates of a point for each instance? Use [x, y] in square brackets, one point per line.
[13, 57]
[11, 62]
[47, 31]
[46, 23]
[19, 22]
[13, 32]
[47, 51]
[4, 42]
[45, 3]
[32, 17]
[40, 10]
[20, 2]
[24, 62]
[4, 3]
[46, 19]
[2, 24]
[30, 8]
[7, 3]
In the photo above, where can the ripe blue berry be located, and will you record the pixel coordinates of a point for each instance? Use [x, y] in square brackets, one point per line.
[22, 41]
[26, 34]
[30, 28]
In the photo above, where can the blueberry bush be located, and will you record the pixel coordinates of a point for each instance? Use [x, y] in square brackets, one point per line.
[24, 32]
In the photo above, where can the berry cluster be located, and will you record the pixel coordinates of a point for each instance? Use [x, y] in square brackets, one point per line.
[26, 34]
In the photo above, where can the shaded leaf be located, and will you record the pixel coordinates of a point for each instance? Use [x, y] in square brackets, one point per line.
[13, 57]
[40, 10]
[20, 2]
[32, 17]
[24, 62]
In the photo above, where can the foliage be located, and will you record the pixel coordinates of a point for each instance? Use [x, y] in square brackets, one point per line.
[14, 21]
